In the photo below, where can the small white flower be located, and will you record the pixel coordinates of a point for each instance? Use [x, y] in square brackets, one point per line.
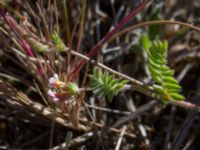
[53, 79]
[55, 82]
[52, 94]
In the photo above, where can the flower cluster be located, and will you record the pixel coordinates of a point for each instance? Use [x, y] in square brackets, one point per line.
[61, 91]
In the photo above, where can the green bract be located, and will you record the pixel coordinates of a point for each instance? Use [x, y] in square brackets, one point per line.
[58, 43]
[72, 88]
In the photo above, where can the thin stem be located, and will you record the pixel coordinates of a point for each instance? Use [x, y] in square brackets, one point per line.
[44, 21]
[93, 52]
[108, 110]
[80, 37]
[154, 22]
[120, 138]
[56, 15]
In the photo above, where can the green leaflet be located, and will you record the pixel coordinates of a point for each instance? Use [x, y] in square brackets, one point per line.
[177, 96]
[72, 88]
[58, 46]
[105, 85]
[146, 43]
[165, 83]
[159, 88]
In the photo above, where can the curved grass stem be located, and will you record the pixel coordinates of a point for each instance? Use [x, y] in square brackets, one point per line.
[154, 22]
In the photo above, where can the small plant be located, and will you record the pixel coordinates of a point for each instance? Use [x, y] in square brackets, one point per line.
[105, 85]
[60, 91]
[165, 83]
[58, 43]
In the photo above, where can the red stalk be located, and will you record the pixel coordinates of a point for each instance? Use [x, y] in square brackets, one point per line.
[20, 32]
[99, 45]
[26, 47]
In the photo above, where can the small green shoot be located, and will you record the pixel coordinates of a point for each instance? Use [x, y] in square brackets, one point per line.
[72, 88]
[105, 85]
[146, 43]
[58, 43]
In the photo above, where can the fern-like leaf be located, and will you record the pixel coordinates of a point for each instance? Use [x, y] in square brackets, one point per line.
[165, 83]
[105, 85]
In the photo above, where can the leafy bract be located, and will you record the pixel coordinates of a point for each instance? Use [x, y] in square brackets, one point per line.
[105, 85]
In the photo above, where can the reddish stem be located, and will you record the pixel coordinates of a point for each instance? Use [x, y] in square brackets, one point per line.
[93, 52]
[19, 32]
[26, 47]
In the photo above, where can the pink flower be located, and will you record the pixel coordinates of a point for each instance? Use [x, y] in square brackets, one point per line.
[55, 82]
[53, 95]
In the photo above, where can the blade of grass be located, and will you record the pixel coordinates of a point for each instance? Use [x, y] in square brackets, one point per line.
[80, 37]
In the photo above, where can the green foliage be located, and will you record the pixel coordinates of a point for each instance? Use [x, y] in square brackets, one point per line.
[165, 83]
[58, 43]
[72, 88]
[146, 43]
[105, 85]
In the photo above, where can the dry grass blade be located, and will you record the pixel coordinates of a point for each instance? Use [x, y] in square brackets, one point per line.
[12, 95]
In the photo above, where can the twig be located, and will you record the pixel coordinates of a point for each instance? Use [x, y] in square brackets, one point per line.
[108, 110]
[120, 138]
[190, 141]
[140, 111]
[114, 130]
[131, 106]
[184, 71]
[77, 140]
[14, 97]
[135, 82]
